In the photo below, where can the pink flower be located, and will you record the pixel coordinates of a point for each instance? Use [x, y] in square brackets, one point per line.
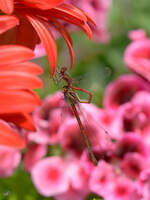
[9, 160]
[35, 152]
[143, 184]
[123, 189]
[70, 134]
[133, 164]
[137, 54]
[134, 117]
[48, 119]
[100, 117]
[73, 194]
[122, 90]
[50, 176]
[98, 10]
[71, 137]
[106, 154]
[131, 143]
[137, 34]
[79, 175]
[102, 178]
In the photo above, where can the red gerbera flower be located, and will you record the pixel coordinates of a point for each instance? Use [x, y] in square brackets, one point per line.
[35, 17]
[17, 79]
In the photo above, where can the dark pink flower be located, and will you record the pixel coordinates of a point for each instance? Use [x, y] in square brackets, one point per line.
[34, 153]
[133, 164]
[122, 90]
[106, 154]
[50, 176]
[137, 54]
[71, 137]
[134, 117]
[48, 119]
[131, 143]
[9, 160]
[70, 134]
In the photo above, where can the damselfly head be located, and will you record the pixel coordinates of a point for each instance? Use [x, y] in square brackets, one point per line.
[65, 88]
[63, 70]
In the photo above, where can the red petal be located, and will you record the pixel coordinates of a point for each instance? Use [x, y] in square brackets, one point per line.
[80, 22]
[28, 123]
[89, 18]
[66, 36]
[87, 30]
[28, 67]
[7, 6]
[19, 80]
[12, 101]
[20, 119]
[42, 4]
[47, 40]
[64, 30]
[10, 54]
[71, 11]
[38, 100]
[7, 22]
[9, 137]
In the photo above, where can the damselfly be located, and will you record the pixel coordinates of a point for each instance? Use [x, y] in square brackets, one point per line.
[72, 98]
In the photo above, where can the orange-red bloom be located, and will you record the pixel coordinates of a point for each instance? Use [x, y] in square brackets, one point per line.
[35, 17]
[18, 77]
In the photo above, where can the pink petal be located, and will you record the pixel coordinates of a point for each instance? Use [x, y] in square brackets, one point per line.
[10, 159]
[34, 153]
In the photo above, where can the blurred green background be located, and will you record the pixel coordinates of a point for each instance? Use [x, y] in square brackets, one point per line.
[95, 65]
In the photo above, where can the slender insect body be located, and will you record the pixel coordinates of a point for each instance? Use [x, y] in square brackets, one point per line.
[71, 97]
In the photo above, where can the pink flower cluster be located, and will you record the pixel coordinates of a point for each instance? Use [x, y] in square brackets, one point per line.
[119, 134]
